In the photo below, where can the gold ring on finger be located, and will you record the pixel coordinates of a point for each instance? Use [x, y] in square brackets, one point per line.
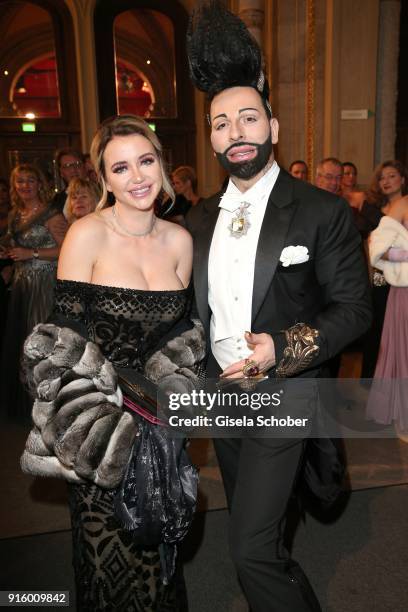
[250, 369]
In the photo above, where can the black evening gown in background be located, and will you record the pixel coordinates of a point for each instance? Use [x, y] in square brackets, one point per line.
[366, 220]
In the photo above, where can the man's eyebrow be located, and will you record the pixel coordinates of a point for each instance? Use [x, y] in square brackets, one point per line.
[250, 108]
[241, 110]
[220, 115]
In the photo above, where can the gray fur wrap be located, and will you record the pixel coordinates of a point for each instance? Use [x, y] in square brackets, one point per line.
[177, 367]
[80, 431]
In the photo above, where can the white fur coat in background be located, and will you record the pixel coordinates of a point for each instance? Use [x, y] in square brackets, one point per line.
[389, 233]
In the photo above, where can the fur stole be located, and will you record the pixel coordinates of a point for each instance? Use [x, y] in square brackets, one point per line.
[389, 233]
[81, 432]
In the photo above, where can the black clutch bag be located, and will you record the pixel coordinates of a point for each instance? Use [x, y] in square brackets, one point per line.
[140, 395]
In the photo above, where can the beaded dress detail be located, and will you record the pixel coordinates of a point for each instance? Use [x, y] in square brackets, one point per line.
[127, 324]
[112, 573]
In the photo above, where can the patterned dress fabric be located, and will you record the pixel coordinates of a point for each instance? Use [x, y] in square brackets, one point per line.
[388, 402]
[30, 302]
[111, 572]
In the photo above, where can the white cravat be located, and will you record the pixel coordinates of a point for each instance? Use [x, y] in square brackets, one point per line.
[231, 269]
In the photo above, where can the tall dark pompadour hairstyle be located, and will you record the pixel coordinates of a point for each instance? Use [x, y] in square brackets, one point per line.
[222, 53]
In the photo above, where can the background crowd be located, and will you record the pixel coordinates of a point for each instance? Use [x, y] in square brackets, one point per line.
[34, 221]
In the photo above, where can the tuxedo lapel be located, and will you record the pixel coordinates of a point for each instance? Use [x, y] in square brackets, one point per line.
[279, 211]
[201, 252]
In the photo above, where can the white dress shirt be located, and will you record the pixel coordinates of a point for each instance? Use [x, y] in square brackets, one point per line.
[231, 268]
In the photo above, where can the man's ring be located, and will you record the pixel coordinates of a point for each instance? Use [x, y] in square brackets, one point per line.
[250, 368]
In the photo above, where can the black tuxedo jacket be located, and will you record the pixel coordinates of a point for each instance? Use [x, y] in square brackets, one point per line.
[329, 292]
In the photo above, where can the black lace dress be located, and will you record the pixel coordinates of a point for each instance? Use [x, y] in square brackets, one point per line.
[111, 572]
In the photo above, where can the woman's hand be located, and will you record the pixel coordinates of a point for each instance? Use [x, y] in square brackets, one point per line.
[263, 356]
[20, 254]
[396, 254]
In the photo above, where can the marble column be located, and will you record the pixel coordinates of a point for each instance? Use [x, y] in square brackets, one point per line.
[82, 16]
[387, 79]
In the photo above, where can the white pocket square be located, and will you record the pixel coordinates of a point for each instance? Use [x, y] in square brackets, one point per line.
[294, 255]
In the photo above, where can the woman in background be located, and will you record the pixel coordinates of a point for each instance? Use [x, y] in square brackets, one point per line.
[349, 190]
[388, 246]
[389, 184]
[35, 234]
[82, 198]
[185, 183]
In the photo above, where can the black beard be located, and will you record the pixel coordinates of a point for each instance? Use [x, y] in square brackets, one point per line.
[247, 169]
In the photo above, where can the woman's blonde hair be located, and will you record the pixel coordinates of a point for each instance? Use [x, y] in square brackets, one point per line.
[44, 192]
[186, 173]
[124, 125]
[75, 185]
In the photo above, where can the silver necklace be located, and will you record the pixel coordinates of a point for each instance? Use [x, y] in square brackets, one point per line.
[146, 233]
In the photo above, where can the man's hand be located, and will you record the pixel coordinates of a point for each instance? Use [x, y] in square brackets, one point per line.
[263, 355]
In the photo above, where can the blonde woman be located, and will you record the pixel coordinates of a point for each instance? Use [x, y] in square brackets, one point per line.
[185, 183]
[82, 198]
[124, 281]
[35, 234]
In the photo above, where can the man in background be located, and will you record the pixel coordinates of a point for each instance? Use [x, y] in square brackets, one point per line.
[70, 165]
[329, 174]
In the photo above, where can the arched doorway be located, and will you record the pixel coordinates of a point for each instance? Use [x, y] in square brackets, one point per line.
[38, 82]
[144, 53]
